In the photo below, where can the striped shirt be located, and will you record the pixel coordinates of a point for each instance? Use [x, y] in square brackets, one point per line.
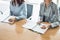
[50, 14]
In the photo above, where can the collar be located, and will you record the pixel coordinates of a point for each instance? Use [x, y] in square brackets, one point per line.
[48, 4]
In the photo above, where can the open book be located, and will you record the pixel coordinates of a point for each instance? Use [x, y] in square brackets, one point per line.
[35, 27]
[38, 28]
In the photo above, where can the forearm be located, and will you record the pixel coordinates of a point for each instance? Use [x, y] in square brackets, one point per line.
[20, 17]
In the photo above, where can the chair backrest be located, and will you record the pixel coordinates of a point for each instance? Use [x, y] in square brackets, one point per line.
[29, 10]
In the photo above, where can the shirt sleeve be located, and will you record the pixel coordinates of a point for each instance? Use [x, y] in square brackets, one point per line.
[55, 22]
[11, 13]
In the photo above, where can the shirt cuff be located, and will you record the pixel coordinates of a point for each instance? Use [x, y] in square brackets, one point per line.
[20, 18]
[17, 18]
[55, 24]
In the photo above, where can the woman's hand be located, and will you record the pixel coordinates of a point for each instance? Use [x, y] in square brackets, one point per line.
[47, 25]
[12, 20]
[43, 27]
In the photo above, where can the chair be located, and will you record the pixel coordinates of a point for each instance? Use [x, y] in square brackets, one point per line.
[29, 10]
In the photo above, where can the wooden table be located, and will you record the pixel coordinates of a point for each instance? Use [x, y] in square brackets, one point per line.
[16, 32]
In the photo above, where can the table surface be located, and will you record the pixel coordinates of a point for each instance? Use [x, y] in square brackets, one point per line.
[17, 32]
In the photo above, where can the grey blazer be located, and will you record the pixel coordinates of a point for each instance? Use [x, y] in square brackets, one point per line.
[49, 14]
[19, 11]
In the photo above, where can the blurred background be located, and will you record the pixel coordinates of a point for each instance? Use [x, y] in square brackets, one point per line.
[5, 4]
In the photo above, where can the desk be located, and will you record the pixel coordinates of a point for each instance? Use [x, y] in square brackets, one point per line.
[16, 32]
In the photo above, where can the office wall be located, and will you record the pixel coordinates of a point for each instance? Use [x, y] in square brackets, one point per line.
[38, 1]
[5, 0]
[36, 8]
[34, 1]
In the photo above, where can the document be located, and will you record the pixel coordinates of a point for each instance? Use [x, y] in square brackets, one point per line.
[29, 24]
[6, 19]
[35, 27]
[3, 17]
[38, 28]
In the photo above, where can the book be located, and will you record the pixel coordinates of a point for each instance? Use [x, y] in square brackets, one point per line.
[35, 27]
[38, 28]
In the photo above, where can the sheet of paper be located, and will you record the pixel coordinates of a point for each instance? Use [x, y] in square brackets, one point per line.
[39, 29]
[3, 17]
[6, 20]
[29, 24]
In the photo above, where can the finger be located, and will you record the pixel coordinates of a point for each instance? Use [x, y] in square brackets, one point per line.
[10, 20]
[11, 23]
[43, 27]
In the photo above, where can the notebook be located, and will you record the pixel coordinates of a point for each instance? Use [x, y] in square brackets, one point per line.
[35, 27]
[38, 28]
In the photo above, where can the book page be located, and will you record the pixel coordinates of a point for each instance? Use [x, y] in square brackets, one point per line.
[6, 20]
[39, 29]
[29, 24]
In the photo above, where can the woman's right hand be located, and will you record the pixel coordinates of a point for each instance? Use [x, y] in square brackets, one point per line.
[12, 20]
[43, 27]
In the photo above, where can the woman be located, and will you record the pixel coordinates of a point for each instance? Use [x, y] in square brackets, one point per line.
[18, 10]
[49, 13]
